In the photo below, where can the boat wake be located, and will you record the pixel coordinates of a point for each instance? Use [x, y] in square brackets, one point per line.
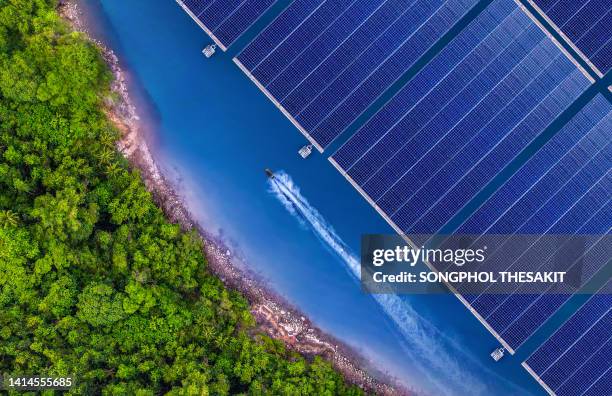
[446, 374]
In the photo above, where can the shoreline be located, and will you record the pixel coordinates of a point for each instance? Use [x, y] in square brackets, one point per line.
[274, 315]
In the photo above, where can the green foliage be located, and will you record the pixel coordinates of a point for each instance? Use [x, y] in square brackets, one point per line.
[94, 282]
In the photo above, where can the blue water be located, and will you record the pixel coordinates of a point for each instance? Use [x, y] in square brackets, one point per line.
[216, 132]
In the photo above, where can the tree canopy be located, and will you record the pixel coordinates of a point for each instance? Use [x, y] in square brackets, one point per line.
[94, 282]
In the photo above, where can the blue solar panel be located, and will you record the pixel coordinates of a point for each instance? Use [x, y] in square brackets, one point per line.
[459, 121]
[603, 386]
[563, 189]
[324, 62]
[568, 155]
[588, 24]
[575, 360]
[225, 20]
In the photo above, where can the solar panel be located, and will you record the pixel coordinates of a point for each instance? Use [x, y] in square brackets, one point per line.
[603, 386]
[586, 24]
[460, 121]
[575, 360]
[225, 20]
[323, 62]
[563, 189]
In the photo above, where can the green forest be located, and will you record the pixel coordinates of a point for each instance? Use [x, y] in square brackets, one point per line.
[95, 283]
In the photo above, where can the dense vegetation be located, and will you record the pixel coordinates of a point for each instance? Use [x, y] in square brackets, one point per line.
[94, 282]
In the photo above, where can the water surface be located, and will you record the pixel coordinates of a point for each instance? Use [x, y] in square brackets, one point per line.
[216, 132]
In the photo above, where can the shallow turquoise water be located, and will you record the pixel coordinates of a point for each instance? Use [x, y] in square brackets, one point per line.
[217, 132]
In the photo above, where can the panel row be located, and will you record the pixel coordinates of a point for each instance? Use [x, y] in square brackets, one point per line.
[324, 62]
[587, 24]
[225, 20]
[564, 189]
[575, 360]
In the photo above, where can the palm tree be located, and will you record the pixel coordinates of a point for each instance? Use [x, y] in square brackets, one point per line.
[105, 156]
[113, 169]
[107, 139]
[8, 218]
[221, 341]
[208, 332]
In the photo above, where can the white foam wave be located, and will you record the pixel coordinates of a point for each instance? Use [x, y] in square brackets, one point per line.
[444, 372]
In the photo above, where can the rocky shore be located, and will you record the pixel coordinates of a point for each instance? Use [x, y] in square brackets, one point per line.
[274, 315]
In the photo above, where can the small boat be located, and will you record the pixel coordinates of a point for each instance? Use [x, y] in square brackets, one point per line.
[497, 354]
[269, 173]
[305, 151]
[209, 50]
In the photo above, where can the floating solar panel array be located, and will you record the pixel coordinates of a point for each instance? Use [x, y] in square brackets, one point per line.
[587, 24]
[460, 120]
[575, 360]
[225, 20]
[323, 62]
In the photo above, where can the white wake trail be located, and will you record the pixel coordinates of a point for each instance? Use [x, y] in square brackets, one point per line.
[419, 334]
